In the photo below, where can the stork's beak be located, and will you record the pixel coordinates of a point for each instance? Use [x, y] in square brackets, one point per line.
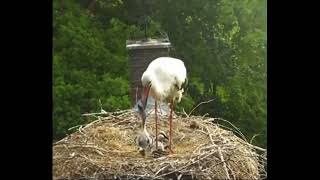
[141, 111]
[146, 90]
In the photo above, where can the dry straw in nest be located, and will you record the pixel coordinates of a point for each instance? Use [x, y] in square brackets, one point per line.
[105, 149]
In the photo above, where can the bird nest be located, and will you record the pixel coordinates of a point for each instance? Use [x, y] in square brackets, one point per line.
[203, 149]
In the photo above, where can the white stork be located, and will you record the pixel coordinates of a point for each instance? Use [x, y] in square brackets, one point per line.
[144, 140]
[166, 79]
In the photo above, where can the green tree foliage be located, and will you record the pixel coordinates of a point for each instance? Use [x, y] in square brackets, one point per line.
[89, 63]
[222, 42]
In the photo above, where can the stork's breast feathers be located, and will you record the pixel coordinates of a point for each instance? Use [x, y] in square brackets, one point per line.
[167, 77]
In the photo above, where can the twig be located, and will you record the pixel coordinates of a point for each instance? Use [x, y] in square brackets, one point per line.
[203, 148]
[206, 114]
[120, 122]
[232, 172]
[119, 112]
[160, 170]
[66, 148]
[92, 162]
[137, 175]
[91, 114]
[244, 138]
[199, 105]
[87, 146]
[101, 110]
[257, 156]
[210, 135]
[183, 136]
[226, 127]
[254, 137]
[93, 122]
[253, 146]
[64, 139]
[224, 163]
[198, 130]
[74, 127]
[216, 164]
[184, 112]
[80, 130]
[179, 169]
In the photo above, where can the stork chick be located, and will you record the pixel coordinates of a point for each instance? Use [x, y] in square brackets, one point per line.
[143, 139]
[159, 150]
[162, 137]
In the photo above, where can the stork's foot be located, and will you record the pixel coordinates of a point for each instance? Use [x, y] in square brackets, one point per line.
[169, 150]
[142, 152]
[159, 153]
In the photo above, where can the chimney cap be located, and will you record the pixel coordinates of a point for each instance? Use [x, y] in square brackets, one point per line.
[148, 44]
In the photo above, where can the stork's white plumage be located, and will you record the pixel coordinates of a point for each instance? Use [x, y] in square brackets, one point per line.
[165, 79]
[166, 75]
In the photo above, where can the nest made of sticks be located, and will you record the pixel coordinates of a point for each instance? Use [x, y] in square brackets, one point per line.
[203, 149]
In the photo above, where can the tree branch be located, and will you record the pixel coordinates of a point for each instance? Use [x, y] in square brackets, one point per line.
[199, 105]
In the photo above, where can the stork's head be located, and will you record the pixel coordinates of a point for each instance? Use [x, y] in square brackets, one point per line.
[162, 136]
[141, 110]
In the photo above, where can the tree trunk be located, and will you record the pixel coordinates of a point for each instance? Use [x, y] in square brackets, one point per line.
[92, 5]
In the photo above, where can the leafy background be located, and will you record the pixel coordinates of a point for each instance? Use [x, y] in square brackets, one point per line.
[222, 42]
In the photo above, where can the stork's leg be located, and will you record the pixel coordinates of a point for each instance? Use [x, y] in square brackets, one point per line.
[170, 127]
[155, 112]
[160, 109]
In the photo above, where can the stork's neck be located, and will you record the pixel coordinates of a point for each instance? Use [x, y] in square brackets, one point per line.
[143, 125]
[145, 131]
[144, 128]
